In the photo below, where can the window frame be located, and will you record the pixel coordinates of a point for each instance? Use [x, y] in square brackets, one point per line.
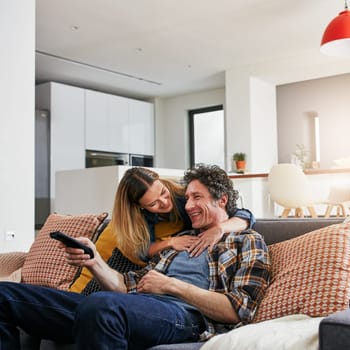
[191, 114]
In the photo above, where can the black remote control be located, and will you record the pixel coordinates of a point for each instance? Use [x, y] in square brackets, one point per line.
[71, 242]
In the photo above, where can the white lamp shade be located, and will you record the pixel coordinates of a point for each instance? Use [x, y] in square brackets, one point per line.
[340, 47]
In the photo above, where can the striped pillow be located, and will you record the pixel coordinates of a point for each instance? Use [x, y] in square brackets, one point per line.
[310, 274]
[45, 263]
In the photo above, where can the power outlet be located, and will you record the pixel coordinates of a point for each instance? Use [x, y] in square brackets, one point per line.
[10, 235]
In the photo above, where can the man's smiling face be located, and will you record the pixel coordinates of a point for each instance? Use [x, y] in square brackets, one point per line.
[202, 209]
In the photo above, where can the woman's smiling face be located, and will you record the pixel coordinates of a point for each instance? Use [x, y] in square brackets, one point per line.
[157, 199]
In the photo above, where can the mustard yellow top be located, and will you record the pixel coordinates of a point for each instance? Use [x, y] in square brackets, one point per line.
[164, 229]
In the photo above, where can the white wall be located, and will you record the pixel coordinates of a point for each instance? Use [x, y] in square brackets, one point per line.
[263, 126]
[238, 115]
[251, 119]
[159, 139]
[251, 128]
[17, 37]
[172, 126]
[297, 103]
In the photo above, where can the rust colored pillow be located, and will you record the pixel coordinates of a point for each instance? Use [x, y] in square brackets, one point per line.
[45, 263]
[10, 262]
[310, 275]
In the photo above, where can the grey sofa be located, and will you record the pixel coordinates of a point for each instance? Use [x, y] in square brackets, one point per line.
[334, 330]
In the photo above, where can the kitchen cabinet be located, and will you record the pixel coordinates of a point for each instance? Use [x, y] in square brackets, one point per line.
[141, 127]
[118, 124]
[66, 127]
[81, 119]
[106, 122]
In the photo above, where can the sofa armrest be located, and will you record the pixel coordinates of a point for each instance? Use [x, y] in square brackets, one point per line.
[10, 262]
[334, 332]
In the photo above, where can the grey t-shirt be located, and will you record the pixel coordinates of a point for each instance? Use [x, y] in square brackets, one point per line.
[193, 270]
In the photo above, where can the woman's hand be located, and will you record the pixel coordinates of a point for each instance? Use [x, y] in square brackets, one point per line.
[184, 242]
[206, 239]
[178, 243]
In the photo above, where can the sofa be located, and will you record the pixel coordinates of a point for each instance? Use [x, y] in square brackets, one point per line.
[282, 236]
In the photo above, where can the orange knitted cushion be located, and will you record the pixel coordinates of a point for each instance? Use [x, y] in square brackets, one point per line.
[310, 274]
[45, 263]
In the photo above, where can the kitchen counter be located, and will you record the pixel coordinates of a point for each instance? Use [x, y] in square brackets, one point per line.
[92, 190]
[306, 171]
[247, 175]
[327, 171]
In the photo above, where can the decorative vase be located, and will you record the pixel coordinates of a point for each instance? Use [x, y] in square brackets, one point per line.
[240, 166]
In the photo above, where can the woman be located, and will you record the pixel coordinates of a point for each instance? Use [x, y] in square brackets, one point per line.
[149, 211]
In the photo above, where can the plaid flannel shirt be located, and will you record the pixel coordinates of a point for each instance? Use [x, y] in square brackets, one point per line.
[239, 267]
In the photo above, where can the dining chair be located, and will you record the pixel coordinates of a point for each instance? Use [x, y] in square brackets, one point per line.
[290, 188]
[338, 199]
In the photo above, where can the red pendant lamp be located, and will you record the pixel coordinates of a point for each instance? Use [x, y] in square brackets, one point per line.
[336, 38]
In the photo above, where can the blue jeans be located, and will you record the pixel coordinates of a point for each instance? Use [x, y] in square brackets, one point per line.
[102, 320]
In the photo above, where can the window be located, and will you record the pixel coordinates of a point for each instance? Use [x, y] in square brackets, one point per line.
[207, 141]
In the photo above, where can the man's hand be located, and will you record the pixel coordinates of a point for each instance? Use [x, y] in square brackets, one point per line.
[213, 304]
[76, 257]
[107, 278]
[207, 239]
[154, 282]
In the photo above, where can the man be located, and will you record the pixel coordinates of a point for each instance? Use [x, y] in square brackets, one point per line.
[176, 298]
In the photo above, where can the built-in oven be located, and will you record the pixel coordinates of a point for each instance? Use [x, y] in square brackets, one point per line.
[141, 160]
[98, 158]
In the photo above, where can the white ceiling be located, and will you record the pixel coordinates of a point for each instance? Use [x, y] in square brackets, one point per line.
[150, 48]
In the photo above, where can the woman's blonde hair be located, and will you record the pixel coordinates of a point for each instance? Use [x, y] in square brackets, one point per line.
[128, 221]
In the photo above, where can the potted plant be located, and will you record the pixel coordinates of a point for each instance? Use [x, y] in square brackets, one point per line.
[240, 159]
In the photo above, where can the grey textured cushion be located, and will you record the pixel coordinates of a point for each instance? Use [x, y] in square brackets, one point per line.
[278, 230]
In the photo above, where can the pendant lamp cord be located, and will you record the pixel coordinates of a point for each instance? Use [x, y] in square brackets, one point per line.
[346, 5]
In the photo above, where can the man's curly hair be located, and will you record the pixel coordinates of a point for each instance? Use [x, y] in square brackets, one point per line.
[216, 181]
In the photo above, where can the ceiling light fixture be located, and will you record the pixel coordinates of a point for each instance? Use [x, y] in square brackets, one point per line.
[336, 38]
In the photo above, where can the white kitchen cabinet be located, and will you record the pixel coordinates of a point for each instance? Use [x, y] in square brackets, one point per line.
[106, 122]
[83, 119]
[118, 124]
[118, 121]
[141, 127]
[66, 114]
